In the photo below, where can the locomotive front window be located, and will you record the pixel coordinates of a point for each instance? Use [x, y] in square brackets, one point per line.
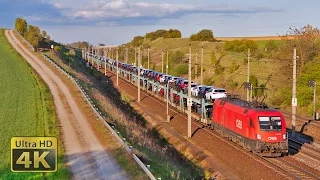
[270, 123]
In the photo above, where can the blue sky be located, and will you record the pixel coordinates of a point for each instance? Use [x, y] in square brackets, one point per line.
[118, 21]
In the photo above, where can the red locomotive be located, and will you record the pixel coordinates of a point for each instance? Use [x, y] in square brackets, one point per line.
[255, 127]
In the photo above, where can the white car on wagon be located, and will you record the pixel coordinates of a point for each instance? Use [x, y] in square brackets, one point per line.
[216, 93]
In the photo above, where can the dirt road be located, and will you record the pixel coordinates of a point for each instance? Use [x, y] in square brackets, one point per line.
[86, 157]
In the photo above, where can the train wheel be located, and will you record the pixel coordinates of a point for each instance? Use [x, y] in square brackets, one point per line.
[247, 147]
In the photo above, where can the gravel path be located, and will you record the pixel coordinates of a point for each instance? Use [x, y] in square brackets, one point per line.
[86, 157]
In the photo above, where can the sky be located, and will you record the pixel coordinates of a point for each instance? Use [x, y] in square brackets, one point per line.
[115, 22]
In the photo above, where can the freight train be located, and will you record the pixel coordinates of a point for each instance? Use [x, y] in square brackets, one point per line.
[254, 126]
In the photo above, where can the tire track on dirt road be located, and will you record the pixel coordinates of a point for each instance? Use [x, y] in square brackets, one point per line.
[85, 155]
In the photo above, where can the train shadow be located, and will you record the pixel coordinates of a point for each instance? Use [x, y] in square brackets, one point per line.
[296, 140]
[304, 126]
[195, 131]
[172, 117]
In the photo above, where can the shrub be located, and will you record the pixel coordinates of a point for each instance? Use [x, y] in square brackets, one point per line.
[177, 57]
[203, 35]
[234, 67]
[181, 69]
[171, 33]
[91, 71]
[241, 46]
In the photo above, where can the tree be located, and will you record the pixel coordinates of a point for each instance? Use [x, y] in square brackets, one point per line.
[176, 33]
[70, 60]
[270, 45]
[307, 42]
[255, 84]
[195, 37]
[57, 48]
[72, 53]
[203, 35]
[45, 37]
[160, 33]
[241, 45]
[37, 33]
[177, 57]
[48, 39]
[250, 44]
[32, 36]
[137, 41]
[44, 34]
[173, 33]
[271, 48]
[21, 26]
[79, 44]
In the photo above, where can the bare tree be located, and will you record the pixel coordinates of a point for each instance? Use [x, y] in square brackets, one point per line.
[307, 41]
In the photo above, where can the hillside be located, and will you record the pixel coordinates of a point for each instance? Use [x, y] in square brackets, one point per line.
[230, 59]
[234, 65]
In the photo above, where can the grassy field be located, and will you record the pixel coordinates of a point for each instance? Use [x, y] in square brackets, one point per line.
[254, 38]
[27, 109]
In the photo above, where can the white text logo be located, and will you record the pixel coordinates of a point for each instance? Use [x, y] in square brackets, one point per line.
[239, 123]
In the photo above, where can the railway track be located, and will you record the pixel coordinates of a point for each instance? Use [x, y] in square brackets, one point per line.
[292, 168]
[279, 165]
[302, 120]
[305, 153]
[306, 148]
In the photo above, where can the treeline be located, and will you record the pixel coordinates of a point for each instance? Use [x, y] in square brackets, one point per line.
[32, 34]
[171, 33]
[203, 35]
[79, 44]
[161, 33]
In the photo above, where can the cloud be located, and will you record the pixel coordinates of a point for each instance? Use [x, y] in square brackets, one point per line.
[58, 5]
[125, 12]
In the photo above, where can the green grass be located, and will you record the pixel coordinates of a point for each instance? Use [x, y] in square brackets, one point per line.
[27, 109]
[261, 68]
[262, 43]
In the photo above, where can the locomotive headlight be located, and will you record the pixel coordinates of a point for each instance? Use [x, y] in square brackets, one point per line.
[258, 136]
[284, 136]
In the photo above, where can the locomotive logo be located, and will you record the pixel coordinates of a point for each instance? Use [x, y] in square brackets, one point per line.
[239, 123]
[272, 138]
